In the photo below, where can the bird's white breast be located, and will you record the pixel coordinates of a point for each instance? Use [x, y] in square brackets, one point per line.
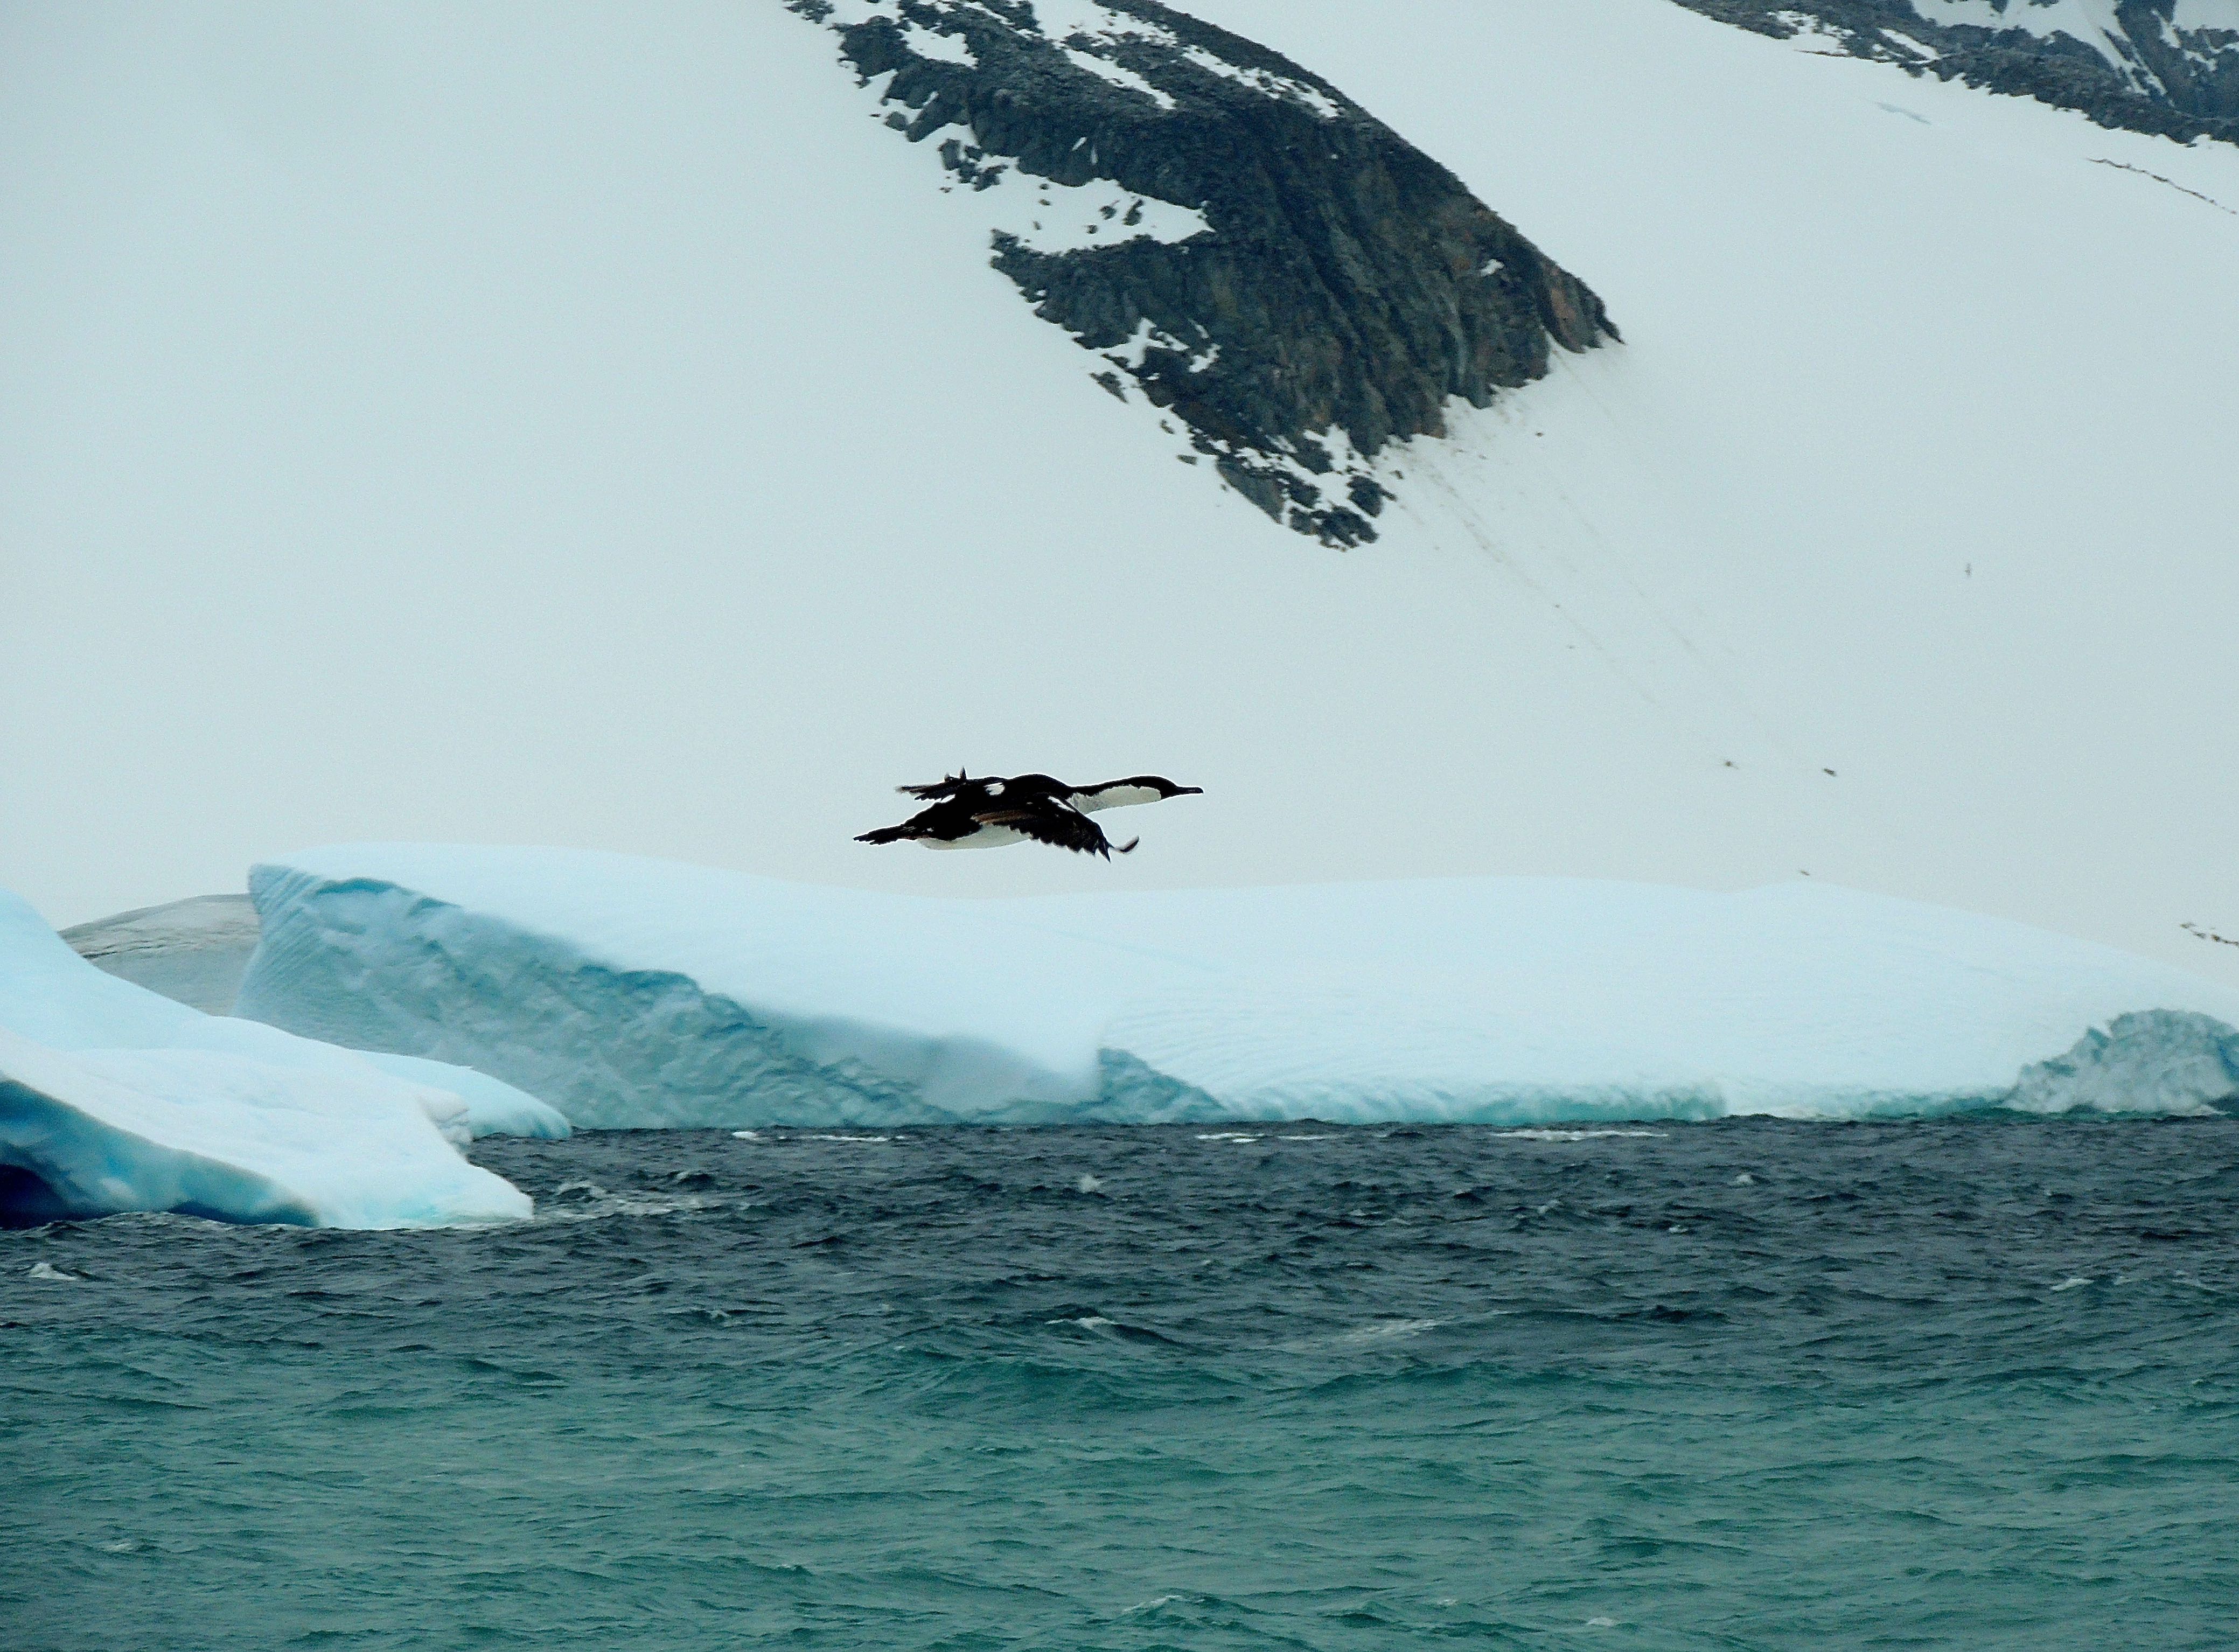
[987, 837]
[1113, 798]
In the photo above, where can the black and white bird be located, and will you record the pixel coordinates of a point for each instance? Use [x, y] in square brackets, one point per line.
[988, 812]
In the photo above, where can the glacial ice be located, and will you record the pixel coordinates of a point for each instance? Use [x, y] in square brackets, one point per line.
[114, 1098]
[634, 993]
[193, 951]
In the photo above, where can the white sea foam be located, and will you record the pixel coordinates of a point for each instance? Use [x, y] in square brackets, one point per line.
[1153, 1604]
[48, 1270]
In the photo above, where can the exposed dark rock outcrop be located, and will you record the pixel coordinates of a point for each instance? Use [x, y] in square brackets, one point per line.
[1276, 270]
[2177, 82]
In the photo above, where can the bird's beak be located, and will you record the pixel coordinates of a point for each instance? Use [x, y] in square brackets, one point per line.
[1189, 791]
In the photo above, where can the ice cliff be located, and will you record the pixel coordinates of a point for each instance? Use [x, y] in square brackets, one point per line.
[113, 1098]
[633, 993]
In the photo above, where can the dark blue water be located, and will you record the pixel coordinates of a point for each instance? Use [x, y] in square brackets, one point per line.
[1747, 1384]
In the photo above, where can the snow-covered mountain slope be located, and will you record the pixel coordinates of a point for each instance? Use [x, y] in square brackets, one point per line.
[2164, 66]
[511, 425]
[637, 993]
[1246, 248]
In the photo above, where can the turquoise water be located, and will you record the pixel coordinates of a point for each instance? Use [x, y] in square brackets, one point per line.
[1967, 1384]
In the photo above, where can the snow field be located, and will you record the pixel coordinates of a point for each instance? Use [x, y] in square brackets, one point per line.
[1865, 490]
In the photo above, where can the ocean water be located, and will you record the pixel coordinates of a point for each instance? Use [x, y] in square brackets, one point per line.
[1969, 1384]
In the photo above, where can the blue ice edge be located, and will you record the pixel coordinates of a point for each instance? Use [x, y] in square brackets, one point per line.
[113, 1099]
[633, 993]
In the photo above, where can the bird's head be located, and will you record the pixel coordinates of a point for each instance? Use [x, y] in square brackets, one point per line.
[1165, 787]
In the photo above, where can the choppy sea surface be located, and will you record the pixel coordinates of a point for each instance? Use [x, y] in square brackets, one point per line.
[1968, 1383]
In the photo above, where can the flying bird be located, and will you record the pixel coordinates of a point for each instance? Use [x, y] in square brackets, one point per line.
[988, 812]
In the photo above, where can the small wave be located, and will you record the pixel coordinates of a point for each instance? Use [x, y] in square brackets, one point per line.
[176, 1219]
[589, 1202]
[1228, 1135]
[621, 1207]
[1086, 1321]
[1542, 1135]
[1388, 1330]
[1090, 1184]
[1155, 1602]
[847, 1138]
[48, 1270]
[2074, 1282]
[745, 1135]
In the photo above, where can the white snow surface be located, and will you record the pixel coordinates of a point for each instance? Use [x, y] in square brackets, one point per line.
[2206, 14]
[634, 992]
[494, 421]
[115, 1098]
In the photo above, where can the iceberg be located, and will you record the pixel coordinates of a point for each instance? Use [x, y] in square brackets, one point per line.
[203, 1133]
[637, 993]
[194, 950]
[114, 1098]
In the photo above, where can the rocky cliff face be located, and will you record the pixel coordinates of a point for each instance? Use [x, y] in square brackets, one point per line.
[2164, 66]
[1242, 246]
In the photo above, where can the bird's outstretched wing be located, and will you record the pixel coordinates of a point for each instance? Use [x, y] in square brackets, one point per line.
[949, 786]
[1063, 828]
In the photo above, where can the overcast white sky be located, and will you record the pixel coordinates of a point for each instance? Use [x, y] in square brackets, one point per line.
[585, 424]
